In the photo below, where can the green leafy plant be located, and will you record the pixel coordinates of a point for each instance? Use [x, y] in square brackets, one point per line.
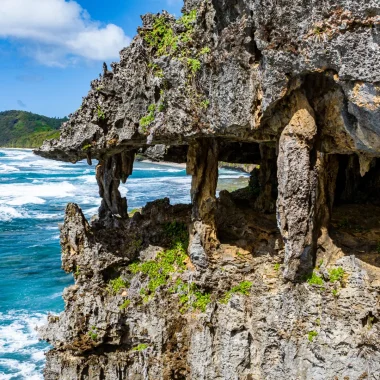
[158, 271]
[312, 335]
[115, 285]
[190, 296]
[140, 347]
[194, 65]
[205, 104]
[149, 118]
[204, 50]
[314, 279]
[188, 18]
[335, 292]
[162, 37]
[93, 333]
[101, 114]
[277, 266]
[336, 274]
[125, 304]
[320, 263]
[77, 271]
[243, 288]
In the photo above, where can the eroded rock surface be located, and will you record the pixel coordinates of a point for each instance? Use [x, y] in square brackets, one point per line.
[269, 282]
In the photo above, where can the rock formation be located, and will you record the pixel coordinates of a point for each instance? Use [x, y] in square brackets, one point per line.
[279, 280]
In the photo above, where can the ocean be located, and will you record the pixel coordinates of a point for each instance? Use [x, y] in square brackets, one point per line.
[33, 195]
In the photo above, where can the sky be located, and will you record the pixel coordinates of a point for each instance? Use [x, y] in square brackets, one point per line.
[50, 50]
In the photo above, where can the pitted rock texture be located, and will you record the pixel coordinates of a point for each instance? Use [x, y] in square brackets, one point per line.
[278, 330]
[271, 285]
[257, 53]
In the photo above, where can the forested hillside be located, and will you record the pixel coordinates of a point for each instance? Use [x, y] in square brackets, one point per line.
[20, 129]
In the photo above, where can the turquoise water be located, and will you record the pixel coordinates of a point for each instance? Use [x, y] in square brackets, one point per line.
[33, 196]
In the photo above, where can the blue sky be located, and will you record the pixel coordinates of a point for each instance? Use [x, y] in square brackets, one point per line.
[50, 50]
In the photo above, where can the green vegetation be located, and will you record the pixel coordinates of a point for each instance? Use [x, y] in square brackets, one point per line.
[93, 333]
[176, 42]
[205, 104]
[194, 65]
[188, 18]
[140, 347]
[312, 335]
[370, 321]
[133, 211]
[20, 129]
[115, 285]
[190, 296]
[101, 114]
[320, 263]
[243, 288]
[86, 147]
[336, 274]
[124, 305]
[314, 279]
[157, 71]
[162, 37]
[277, 266]
[77, 271]
[158, 271]
[205, 50]
[149, 118]
[335, 292]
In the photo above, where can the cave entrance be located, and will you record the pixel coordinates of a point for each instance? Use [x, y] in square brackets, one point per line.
[245, 216]
[355, 222]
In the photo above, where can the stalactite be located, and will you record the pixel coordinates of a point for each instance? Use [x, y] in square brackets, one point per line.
[296, 187]
[202, 164]
[109, 173]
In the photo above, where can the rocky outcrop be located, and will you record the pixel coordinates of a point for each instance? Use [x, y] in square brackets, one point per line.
[257, 284]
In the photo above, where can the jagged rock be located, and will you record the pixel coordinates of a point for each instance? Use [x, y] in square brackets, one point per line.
[290, 86]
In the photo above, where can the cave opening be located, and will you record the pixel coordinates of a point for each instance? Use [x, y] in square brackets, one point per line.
[355, 223]
[245, 218]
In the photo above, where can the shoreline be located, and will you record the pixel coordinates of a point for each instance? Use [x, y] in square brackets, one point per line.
[183, 166]
[164, 163]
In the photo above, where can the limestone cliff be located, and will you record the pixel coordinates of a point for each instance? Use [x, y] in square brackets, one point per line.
[279, 280]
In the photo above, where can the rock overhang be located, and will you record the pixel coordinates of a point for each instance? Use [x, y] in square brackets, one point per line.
[290, 85]
[227, 77]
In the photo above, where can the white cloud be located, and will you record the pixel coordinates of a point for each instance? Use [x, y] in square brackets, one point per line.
[58, 32]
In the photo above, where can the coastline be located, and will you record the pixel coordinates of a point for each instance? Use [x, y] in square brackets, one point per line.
[241, 168]
[164, 163]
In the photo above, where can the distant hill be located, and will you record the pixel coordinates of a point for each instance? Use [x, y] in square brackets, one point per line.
[20, 129]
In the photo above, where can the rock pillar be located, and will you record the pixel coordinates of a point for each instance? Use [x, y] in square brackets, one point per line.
[109, 173]
[202, 164]
[297, 183]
